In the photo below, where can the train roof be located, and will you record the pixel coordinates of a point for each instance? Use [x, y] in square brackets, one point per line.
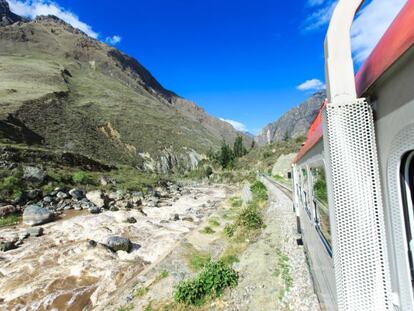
[396, 41]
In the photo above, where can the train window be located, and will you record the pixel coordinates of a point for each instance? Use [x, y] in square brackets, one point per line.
[320, 203]
[407, 186]
[305, 197]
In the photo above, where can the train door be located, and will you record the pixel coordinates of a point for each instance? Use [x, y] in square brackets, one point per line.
[407, 186]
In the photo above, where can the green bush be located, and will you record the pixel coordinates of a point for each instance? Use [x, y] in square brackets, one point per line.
[81, 177]
[229, 230]
[209, 283]
[259, 191]
[11, 187]
[251, 217]
[236, 202]
[208, 230]
[214, 222]
[60, 176]
[208, 171]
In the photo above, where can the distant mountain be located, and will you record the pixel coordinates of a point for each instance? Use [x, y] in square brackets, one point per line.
[294, 123]
[63, 90]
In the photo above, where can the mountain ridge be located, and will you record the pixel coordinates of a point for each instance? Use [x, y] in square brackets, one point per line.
[64, 90]
[294, 123]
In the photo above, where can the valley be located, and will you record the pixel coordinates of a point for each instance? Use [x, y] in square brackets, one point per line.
[118, 194]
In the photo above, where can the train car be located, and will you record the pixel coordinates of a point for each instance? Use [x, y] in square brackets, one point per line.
[353, 179]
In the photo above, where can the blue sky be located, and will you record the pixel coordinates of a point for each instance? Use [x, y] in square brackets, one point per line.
[240, 60]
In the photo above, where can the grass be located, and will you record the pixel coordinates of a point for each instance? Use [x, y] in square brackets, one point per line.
[195, 258]
[9, 220]
[282, 270]
[230, 254]
[207, 230]
[129, 307]
[163, 274]
[214, 222]
[12, 186]
[139, 292]
[236, 201]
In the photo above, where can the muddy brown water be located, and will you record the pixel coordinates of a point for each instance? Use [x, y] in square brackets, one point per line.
[60, 271]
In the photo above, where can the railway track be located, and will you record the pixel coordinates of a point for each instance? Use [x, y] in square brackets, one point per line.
[285, 189]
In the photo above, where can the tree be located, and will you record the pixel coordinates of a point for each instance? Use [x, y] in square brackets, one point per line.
[253, 144]
[286, 136]
[238, 149]
[226, 156]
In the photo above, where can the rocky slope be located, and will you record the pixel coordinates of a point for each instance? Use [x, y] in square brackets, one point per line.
[294, 123]
[6, 16]
[63, 90]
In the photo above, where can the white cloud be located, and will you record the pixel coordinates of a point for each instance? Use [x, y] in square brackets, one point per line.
[370, 25]
[33, 8]
[237, 125]
[311, 85]
[113, 40]
[315, 2]
[319, 17]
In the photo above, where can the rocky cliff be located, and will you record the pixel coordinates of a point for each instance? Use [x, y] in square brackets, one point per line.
[294, 123]
[6, 16]
[63, 90]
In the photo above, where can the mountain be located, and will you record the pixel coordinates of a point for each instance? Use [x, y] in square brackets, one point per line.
[65, 91]
[6, 16]
[294, 123]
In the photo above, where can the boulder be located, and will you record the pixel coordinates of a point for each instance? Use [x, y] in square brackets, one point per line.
[131, 220]
[95, 210]
[97, 198]
[61, 195]
[33, 194]
[7, 210]
[35, 215]
[117, 243]
[124, 204]
[35, 232]
[7, 246]
[104, 181]
[34, 174]
[76, 194]
[48, 199]
[91, 244]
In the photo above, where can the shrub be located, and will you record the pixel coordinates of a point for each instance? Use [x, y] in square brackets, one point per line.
[259, 190]
[81, 177]
[60, 176]
[208, 230]
[250, 217]
[11, 187]
[214, 222]
[211, 282]
[229, 230]
[236, 202]
[208, 171]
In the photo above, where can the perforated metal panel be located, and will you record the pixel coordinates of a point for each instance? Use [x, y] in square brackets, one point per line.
[359, 244]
